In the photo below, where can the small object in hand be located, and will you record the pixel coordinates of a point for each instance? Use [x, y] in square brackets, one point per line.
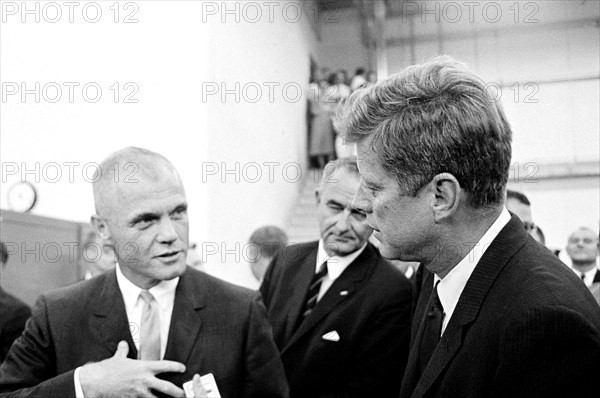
[208, 382]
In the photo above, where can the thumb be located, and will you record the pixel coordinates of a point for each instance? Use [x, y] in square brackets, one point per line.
[122, 350]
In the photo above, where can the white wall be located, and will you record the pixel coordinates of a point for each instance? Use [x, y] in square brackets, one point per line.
[163, 54]
[261, 141]
[341, 40]
[171, 54]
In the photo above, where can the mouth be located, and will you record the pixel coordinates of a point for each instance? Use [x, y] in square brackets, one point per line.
[169, 256]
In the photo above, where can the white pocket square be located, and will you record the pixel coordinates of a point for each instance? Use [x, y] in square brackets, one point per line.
[331, 336]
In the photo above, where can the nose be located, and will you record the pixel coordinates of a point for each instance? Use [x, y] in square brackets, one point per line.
[167, 232]
[342, 220]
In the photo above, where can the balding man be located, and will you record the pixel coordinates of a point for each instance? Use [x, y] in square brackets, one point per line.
[340, 312]
[153, 323]
[582, 248]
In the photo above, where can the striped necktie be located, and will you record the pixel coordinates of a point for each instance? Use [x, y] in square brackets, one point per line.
[313, 291]
[149, 329]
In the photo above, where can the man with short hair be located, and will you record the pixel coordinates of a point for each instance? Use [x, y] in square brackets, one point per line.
[497, 316]
[265, 242]
[340, 312]
[518, 204]
[163, 321]
[13, 313]
[582, 248]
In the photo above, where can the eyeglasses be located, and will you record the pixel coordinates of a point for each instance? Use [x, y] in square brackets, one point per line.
[529, 226]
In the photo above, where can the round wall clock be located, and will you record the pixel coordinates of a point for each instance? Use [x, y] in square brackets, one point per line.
[22, 197]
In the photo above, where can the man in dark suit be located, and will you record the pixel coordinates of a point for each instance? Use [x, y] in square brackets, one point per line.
[498, 315]
[340, 312]
[13, 313]
[583, 248]
[177, 321]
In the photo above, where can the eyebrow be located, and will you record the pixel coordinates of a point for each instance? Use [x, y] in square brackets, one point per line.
[143, 216]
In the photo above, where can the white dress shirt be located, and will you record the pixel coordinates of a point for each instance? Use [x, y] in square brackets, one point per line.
[164, 294]
[589, 275]
[335, 266]
[450, 288]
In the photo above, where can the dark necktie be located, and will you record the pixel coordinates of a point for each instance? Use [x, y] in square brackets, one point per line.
[583, 276]
[313, 290]
[433, 329]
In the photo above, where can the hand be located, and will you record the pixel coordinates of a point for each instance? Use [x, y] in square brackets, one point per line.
[199, 391]
[120, 376]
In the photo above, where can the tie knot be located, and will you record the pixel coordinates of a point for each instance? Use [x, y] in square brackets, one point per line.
[322, 269]
[146, 296]
[435, 299]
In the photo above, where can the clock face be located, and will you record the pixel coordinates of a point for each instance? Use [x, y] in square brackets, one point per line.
[22, 197]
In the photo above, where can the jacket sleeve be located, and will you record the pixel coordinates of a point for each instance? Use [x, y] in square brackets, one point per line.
[29, 369]
[265, 377]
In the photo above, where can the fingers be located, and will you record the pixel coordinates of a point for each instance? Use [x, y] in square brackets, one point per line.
[165, 387]
[199, 391]
[165, 366]
[122, 350]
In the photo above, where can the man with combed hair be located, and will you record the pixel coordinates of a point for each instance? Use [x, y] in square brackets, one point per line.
[151, 324]
[340, 312]
[497, 315]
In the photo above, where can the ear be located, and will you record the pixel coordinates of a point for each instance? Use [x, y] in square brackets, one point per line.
[447, 196]
[101, 227]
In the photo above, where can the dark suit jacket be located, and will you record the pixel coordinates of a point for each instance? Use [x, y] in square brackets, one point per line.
[596, 277]
[369, 306]
[215, 328]
[13, 315]
[524, 326]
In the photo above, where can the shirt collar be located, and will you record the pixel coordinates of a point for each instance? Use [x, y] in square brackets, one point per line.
[589, 275]
[335, 264]
[163, 292]
[451, 287]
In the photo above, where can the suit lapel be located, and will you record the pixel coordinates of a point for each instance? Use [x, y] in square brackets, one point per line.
[109, 321]
[301, 284]
[512, 237]
[185, 320]
[343, 288]
[596, 277]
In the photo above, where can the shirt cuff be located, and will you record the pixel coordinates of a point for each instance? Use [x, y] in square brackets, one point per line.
[78, 389]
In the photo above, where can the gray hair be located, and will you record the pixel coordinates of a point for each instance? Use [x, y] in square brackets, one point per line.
[429, 119]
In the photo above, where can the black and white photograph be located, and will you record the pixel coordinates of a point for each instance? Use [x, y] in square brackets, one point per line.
[299, 198]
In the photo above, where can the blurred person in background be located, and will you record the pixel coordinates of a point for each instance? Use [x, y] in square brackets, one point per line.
[582, 249]
[358, 80]
[96, 258]
[13, 312]
[265, 242]
[518, 204]
[321, 148]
